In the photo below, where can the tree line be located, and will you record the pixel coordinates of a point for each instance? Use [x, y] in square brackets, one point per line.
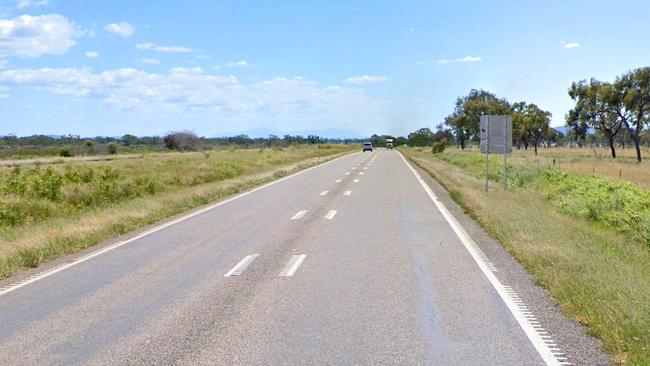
[621, 107]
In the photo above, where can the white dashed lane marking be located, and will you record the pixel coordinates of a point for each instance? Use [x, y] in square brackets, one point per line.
[330, 215]
[360, 173]
[299, 215]
[347, 193]
[356, 181]
[323, 193]
[292, 266]
[241, 266]
[338, 181]
[347, 173]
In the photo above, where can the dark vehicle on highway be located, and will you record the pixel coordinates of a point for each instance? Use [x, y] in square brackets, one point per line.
[367, 146]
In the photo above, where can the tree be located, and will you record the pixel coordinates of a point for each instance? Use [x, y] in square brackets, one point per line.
[597, 106]
[421, 137]
[633, 91]
[464, 121]
[129, 140]
[530, 124]
[182, 140]
[539, 121]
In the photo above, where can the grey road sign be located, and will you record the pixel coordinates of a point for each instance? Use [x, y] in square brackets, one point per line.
[496, 134]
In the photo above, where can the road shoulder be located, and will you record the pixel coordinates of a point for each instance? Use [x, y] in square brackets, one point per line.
[571, 337]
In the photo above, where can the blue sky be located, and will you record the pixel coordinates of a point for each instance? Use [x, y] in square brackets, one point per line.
[94, 67]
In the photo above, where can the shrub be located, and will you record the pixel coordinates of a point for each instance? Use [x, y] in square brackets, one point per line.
[65, 152]
[439, 147]
[112, 148]
[182, 141]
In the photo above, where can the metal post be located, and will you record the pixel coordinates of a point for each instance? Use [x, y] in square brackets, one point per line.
[487, 150]
[505, 151]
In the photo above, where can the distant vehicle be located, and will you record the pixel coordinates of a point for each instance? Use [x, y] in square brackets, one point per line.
[367, 146]
[389, 144]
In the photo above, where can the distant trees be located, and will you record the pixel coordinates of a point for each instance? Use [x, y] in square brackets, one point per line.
[182, 141]
[464, 121]
[611, 107]
[529, 124]
[598, 106]
[421, 137]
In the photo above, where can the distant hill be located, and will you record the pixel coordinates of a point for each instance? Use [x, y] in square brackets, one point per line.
[326, 133]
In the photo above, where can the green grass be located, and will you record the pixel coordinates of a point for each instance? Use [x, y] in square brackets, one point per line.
[48, 211]
[581, 236]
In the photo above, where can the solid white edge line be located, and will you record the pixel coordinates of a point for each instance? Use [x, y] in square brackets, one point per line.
[293, 265]
[242, 265]
[536, 339]
[39, 276]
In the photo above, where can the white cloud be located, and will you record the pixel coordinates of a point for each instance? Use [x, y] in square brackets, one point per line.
[192, 90]
[571, 44]
[92, 54]
[164, 49]
[150, 61]
[365, 79]
[20, 4]
[419, 62]
[172, 49]
[144, 46]
[463, 60]
[121, 29]
[34, 36]
[238, 64]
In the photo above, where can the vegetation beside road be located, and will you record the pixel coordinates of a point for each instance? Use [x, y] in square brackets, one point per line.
[584, 237]
[50, 210]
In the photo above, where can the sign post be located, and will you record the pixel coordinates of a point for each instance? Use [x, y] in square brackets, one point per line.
[496, 138]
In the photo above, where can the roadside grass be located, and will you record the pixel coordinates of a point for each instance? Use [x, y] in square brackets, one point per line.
[49, 211]
[589, 160]
[598, 272]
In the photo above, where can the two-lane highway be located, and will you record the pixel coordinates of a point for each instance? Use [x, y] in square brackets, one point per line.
[351, 262]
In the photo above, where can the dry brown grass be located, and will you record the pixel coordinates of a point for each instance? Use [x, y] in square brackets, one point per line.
[589, 161]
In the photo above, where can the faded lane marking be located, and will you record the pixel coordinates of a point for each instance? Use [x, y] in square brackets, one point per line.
[292, 266]
[242, 265]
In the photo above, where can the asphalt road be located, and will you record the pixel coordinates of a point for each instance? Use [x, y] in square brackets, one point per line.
[350, 263]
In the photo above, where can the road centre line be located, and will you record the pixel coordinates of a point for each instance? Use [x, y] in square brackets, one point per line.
[292, 266]
[51, 271]
[330, 215]
[299, 215]
[531, 330]
[242, 265]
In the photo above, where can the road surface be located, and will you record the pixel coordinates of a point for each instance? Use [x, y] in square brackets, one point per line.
[353, 262]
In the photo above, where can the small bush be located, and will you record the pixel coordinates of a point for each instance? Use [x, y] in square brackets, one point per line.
[112, 148]
[66, 152]
[439, 147]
